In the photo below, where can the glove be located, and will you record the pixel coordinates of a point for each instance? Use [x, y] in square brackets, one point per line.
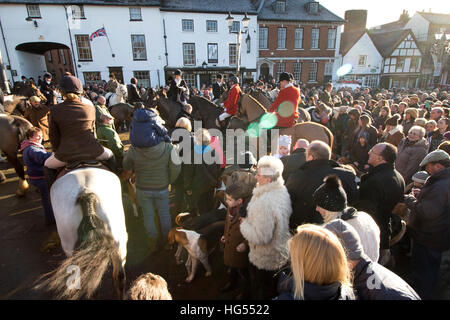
[223, 116]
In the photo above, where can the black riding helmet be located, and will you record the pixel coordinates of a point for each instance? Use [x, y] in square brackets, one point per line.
[71, 84]
[234, 79]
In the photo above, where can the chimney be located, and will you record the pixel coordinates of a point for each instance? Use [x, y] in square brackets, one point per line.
[356, 20]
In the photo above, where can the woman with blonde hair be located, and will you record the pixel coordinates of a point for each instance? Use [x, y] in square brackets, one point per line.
[149, 286]
[319, 267]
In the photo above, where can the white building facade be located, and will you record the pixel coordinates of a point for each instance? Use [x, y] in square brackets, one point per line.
[143, 39]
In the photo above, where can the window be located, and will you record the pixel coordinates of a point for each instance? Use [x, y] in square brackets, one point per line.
[362, 60]
[135, 14]
[400, 65]
[50, 58]
[233, 54]
[83, 47]
[281, 38]
[331, 38]
[263, 37]
[313, 7]
[62, 56]
[371, 81]
[298, 38]
[33, 11]
[91, 78]
[280, 7]
[189, 78]
[58, 53]
[236, 26]
[211, 25]
[189, 54]
[415, 64]
[143, 78]
[297, 71]
[312, 75]
[280, 68]
[78, 12]
[138, 45]
[315, 38]
[212, 53]
[187, 25]
[328, 69]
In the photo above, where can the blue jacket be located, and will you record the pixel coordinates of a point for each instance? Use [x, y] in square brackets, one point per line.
[34, 158]
[145, 130]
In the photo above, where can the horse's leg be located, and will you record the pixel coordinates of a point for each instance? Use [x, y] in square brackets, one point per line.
[18, 167]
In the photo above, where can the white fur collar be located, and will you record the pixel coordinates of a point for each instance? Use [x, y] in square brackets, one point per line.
[290, 84]
[259, 190]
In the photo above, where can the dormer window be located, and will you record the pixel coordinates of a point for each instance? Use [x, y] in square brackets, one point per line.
[280, 6]
[313, 7]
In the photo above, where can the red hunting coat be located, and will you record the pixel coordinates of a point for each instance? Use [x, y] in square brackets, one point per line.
[231, 104]
[288, 112]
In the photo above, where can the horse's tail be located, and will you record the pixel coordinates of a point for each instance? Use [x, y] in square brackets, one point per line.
[80, 275]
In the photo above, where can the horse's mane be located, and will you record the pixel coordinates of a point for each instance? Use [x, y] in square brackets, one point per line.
[208, 103]
[253, 101]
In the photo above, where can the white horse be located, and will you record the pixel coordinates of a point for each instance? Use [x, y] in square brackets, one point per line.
[119, 97]
[88, 209]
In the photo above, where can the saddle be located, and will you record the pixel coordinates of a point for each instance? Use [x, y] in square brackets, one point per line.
[81, 164]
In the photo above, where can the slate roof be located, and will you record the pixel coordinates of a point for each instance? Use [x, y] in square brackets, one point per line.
[436, 18]
[87, 2]
[388, 41]
[349, 39]
[392, 26]
[296, 11]
[213, 6]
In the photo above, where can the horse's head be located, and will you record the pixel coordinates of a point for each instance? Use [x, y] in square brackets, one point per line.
[122, 90]
[150, 99]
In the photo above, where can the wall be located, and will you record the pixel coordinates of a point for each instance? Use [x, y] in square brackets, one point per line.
[364, 46]
[419, 26]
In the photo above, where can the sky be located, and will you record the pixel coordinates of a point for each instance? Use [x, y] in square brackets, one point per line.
[385, 11]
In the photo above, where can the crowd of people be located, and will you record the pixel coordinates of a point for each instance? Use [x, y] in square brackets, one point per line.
[317, 222]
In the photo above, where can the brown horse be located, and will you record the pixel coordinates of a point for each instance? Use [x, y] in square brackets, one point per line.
[252, 110]
[168, 109]
[12, 133]
[121, 112]
[206, 111]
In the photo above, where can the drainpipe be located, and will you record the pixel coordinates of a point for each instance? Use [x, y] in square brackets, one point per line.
[9, 62]
[71, 43]
[165, 45]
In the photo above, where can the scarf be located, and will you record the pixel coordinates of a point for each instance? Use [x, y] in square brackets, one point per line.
[26, 143]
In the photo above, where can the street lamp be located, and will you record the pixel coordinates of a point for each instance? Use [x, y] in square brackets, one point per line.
[238, 32]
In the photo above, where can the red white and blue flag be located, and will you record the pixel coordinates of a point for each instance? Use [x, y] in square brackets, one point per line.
[99, 33]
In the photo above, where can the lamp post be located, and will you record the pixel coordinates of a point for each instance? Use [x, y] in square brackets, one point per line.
[245, 23]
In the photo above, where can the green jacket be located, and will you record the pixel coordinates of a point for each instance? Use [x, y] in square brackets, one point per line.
[99, 111]
[109, 138]
[153, 166]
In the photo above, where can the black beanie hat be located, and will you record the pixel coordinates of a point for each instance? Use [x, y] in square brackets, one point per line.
[330, 195]
[284, 76]
[393, 121]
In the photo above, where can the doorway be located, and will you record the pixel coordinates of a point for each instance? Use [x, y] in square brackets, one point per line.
[264, 71]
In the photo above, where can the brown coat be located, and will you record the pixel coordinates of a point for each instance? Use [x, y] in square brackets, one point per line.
[72, 126]
[394, 139]
[38, 118]
[233, 238]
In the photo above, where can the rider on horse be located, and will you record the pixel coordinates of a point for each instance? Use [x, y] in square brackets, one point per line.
[72, 131]
[178, 89]
[286, 103]
[48, 88]
[231, 104]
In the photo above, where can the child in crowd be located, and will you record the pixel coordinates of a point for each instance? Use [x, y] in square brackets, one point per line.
[359, 154]
[34, 156]
[149, 286]
[284, 146]
[236, 247]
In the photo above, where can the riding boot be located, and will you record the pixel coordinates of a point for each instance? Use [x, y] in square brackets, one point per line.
[50, 176]
[112, 165]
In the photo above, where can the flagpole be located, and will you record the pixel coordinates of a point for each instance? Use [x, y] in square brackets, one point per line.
[112, 53]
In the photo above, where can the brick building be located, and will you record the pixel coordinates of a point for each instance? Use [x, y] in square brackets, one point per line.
[58, 61]
[297, 36]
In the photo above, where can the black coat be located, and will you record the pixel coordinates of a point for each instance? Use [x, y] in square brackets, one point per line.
[133, 94]
[201, 178]
[302, 184]
[175, 91]
[372, 281]
[429, 223]
[293, 162]
[380, 190]
[312, 291]
[218, 90]
[47, 91]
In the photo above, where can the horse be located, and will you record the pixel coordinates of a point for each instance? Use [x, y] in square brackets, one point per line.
[88, 209]
[168, 109]
[12, 133]
[122, 112]
[119, 97]
[206, 111]
[251, 110]
[15, 105]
